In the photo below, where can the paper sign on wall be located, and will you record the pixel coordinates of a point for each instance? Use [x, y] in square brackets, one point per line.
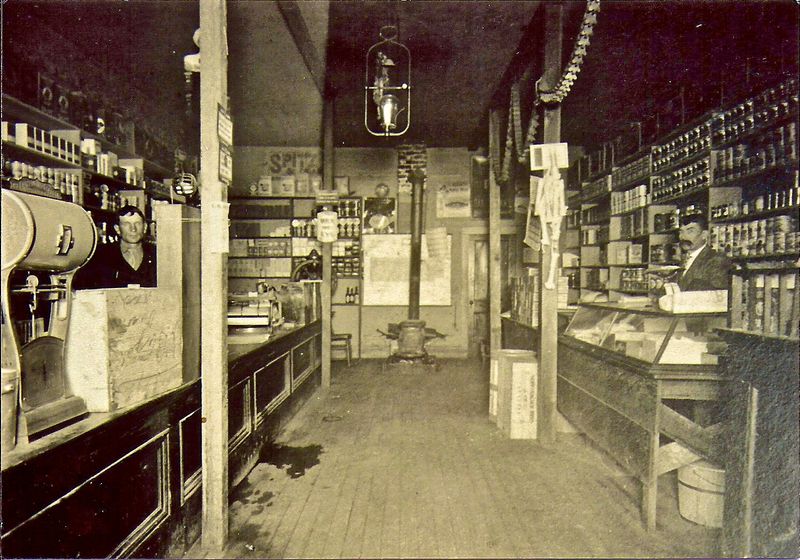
[542, 153]
[453, 200]
[224, 126]
[218, 214]
[225, 164]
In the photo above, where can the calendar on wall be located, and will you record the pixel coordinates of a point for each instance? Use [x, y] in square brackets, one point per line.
[386, 271]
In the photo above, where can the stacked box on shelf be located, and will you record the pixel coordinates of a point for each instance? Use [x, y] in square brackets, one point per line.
[573, 218]
[302, 246]
[631, 199]
[594, 215]
[766, 301]
[633, 224]
[268, 247]
[257, 211]
[287, 186]
[636, 170]
[259, 267]
[765, 237]
[273, 228]
[346, 258]
[525, 298]
[596, 279]
[42, 141]
[563, 292]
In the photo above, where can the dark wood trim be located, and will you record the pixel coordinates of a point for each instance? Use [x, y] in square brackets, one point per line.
[290, 10]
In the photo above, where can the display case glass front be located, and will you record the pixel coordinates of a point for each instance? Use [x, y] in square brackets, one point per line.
[648, 334]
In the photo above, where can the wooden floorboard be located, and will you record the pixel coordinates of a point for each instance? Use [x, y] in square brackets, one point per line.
[411, 467]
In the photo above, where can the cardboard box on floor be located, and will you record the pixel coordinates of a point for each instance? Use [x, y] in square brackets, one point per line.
[515, 412]
[517, 384]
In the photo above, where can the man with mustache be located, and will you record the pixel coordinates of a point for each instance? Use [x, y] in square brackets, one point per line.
[703, 268]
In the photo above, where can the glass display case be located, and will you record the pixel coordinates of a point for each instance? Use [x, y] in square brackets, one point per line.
[648, 334]
[629, 375]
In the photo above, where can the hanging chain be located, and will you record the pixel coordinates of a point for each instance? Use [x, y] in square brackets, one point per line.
[523, 147]
[501, 160]
[516, 118]
[495, 156]
[570, 73]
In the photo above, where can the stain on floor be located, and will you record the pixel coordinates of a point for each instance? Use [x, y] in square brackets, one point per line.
[296, 460]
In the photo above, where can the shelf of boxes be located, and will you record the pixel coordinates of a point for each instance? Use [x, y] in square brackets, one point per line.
[264, 227]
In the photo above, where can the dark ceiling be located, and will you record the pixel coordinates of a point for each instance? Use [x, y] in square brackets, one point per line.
[459, 52]
[464, 54]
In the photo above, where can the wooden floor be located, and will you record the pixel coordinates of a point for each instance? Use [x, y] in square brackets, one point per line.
[410, 466]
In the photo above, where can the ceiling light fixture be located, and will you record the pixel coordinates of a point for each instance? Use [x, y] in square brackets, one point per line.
[387, 89]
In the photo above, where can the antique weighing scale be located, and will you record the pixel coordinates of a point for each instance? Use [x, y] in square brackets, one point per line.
[44, 242]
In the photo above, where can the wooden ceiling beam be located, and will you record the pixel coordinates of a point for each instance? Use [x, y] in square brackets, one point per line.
[290, 10]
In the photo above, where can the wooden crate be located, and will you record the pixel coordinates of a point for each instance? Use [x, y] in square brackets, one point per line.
[517, 384]
[124, 346]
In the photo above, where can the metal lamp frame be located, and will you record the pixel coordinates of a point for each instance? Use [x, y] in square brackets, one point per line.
[388, 35]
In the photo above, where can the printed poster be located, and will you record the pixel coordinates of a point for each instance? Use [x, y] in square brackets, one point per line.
[453, 199]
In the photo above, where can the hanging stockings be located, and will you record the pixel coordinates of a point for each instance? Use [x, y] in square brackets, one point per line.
[551, 209]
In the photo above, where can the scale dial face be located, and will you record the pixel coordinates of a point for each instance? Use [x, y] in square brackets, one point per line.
[42, 371]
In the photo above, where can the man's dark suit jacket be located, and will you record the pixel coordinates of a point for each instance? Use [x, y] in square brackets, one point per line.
[709, 271]
[109, 269]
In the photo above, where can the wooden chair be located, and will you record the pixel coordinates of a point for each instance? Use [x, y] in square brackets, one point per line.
[342, 342]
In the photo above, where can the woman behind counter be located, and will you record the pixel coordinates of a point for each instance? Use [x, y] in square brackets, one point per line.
[117, 265]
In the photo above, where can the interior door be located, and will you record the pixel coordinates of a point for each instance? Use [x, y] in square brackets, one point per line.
[478, 293]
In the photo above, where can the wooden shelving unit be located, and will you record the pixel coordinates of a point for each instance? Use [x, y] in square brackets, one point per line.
[739, 163]
[271, 236]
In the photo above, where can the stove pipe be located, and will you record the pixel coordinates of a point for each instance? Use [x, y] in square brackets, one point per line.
[417, 178]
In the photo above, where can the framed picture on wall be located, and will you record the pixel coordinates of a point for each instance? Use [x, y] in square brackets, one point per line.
[380, 215]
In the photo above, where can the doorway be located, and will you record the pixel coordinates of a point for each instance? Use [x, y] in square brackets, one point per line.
[478, 295]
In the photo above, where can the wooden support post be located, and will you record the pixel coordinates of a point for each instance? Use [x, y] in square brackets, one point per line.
[548, 310]
[214, 281]
[327, 248]
[495, 327]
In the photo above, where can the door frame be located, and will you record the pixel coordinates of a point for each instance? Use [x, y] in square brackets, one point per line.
[463, 308]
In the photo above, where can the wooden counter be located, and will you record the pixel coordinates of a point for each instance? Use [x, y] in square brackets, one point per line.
[619, 402]
[761, 446]
[127, 482]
